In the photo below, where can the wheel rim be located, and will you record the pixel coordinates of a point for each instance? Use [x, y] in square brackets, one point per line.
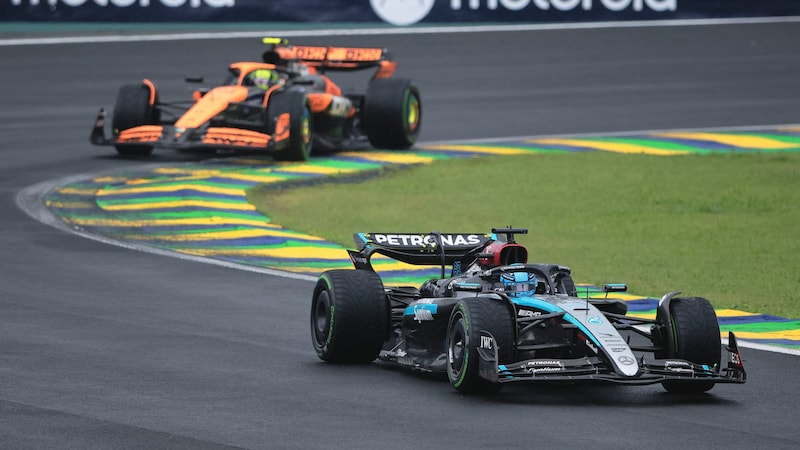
[456, 349]
[321, 320]
[306, 127]
[413, 113]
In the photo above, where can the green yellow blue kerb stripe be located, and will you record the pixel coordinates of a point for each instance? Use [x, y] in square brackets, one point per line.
[201, 209]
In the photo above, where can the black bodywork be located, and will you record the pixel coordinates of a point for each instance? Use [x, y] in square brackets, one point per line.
[467, 324]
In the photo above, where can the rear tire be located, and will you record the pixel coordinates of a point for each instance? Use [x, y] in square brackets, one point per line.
[133, 109]
[300, 124]
[696, 338]
[392, 113]
[349, 316]
[469, 317]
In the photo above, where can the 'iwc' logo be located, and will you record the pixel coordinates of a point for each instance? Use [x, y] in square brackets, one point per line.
[402, 12]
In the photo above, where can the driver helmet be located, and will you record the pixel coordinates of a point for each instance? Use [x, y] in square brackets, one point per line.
[263, 78]
[519, 284]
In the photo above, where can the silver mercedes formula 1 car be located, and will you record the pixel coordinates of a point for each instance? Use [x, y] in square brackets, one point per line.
[497, 319]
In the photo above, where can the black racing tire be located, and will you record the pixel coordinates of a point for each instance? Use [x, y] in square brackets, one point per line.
[301, 124]
[133, 109]
[349, 316]
[696, 338]
[392, 113]
[469, 317]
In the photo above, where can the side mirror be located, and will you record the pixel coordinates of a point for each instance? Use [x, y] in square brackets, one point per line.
[615, 287]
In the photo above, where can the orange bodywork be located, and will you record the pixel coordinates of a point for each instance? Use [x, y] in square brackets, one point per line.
[319, 101]
[332, 88]
[152, 88]
[269, 93]
[245, 67]
[331, 54]
[282, 131]
[206, 107]
[386, 69]
[215, 136]
[235, 137]
[211, 104]
[337, 57]
[143, 133]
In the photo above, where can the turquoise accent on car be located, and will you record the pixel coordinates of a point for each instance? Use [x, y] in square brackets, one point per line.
[534, 302]
[421, 308]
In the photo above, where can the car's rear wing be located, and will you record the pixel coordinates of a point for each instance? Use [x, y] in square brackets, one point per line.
[330, 58]
[457, 250]
[422, 249]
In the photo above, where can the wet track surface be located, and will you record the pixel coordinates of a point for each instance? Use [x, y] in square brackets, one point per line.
[102, 346]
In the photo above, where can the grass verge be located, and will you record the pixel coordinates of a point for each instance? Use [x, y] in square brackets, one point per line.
[721, 226]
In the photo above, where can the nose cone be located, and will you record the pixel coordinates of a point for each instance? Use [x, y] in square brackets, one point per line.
[211, 104]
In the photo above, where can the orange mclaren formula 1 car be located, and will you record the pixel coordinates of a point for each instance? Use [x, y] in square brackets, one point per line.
[285, 104]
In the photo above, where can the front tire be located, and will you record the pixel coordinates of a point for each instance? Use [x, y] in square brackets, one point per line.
[300, 124]
[133, 109]
[695, 338]
[392, 113]
[349, 316]
[469, 317]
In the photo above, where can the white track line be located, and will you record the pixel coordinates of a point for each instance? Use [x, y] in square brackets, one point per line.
[31, 200]
[105, 38]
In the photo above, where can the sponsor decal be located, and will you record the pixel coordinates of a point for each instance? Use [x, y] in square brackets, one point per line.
[596, 320]
[545, 362]
[329, 338]
[487, 342]
[618, 349]
[423, 312]
[401, 12]
[591, 346]
[527, 312]
[305, 52]
[535, 370]
[678, 366]
[626, 360]
[358, 259]
[409, 12]
[736, 359]
[354, 54]
[424, 241]
[567, 5]
[340, 106]
[542, 366]
[127, 3]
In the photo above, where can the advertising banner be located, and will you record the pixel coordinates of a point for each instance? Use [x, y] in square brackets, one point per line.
[394, 12]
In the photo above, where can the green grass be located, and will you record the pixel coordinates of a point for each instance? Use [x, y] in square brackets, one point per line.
[723, 226]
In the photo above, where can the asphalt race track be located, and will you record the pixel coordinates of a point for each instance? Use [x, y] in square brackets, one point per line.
[107, 347]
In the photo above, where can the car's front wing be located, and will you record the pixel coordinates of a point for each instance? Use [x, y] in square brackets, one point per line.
[214, 137]
[651, 371]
